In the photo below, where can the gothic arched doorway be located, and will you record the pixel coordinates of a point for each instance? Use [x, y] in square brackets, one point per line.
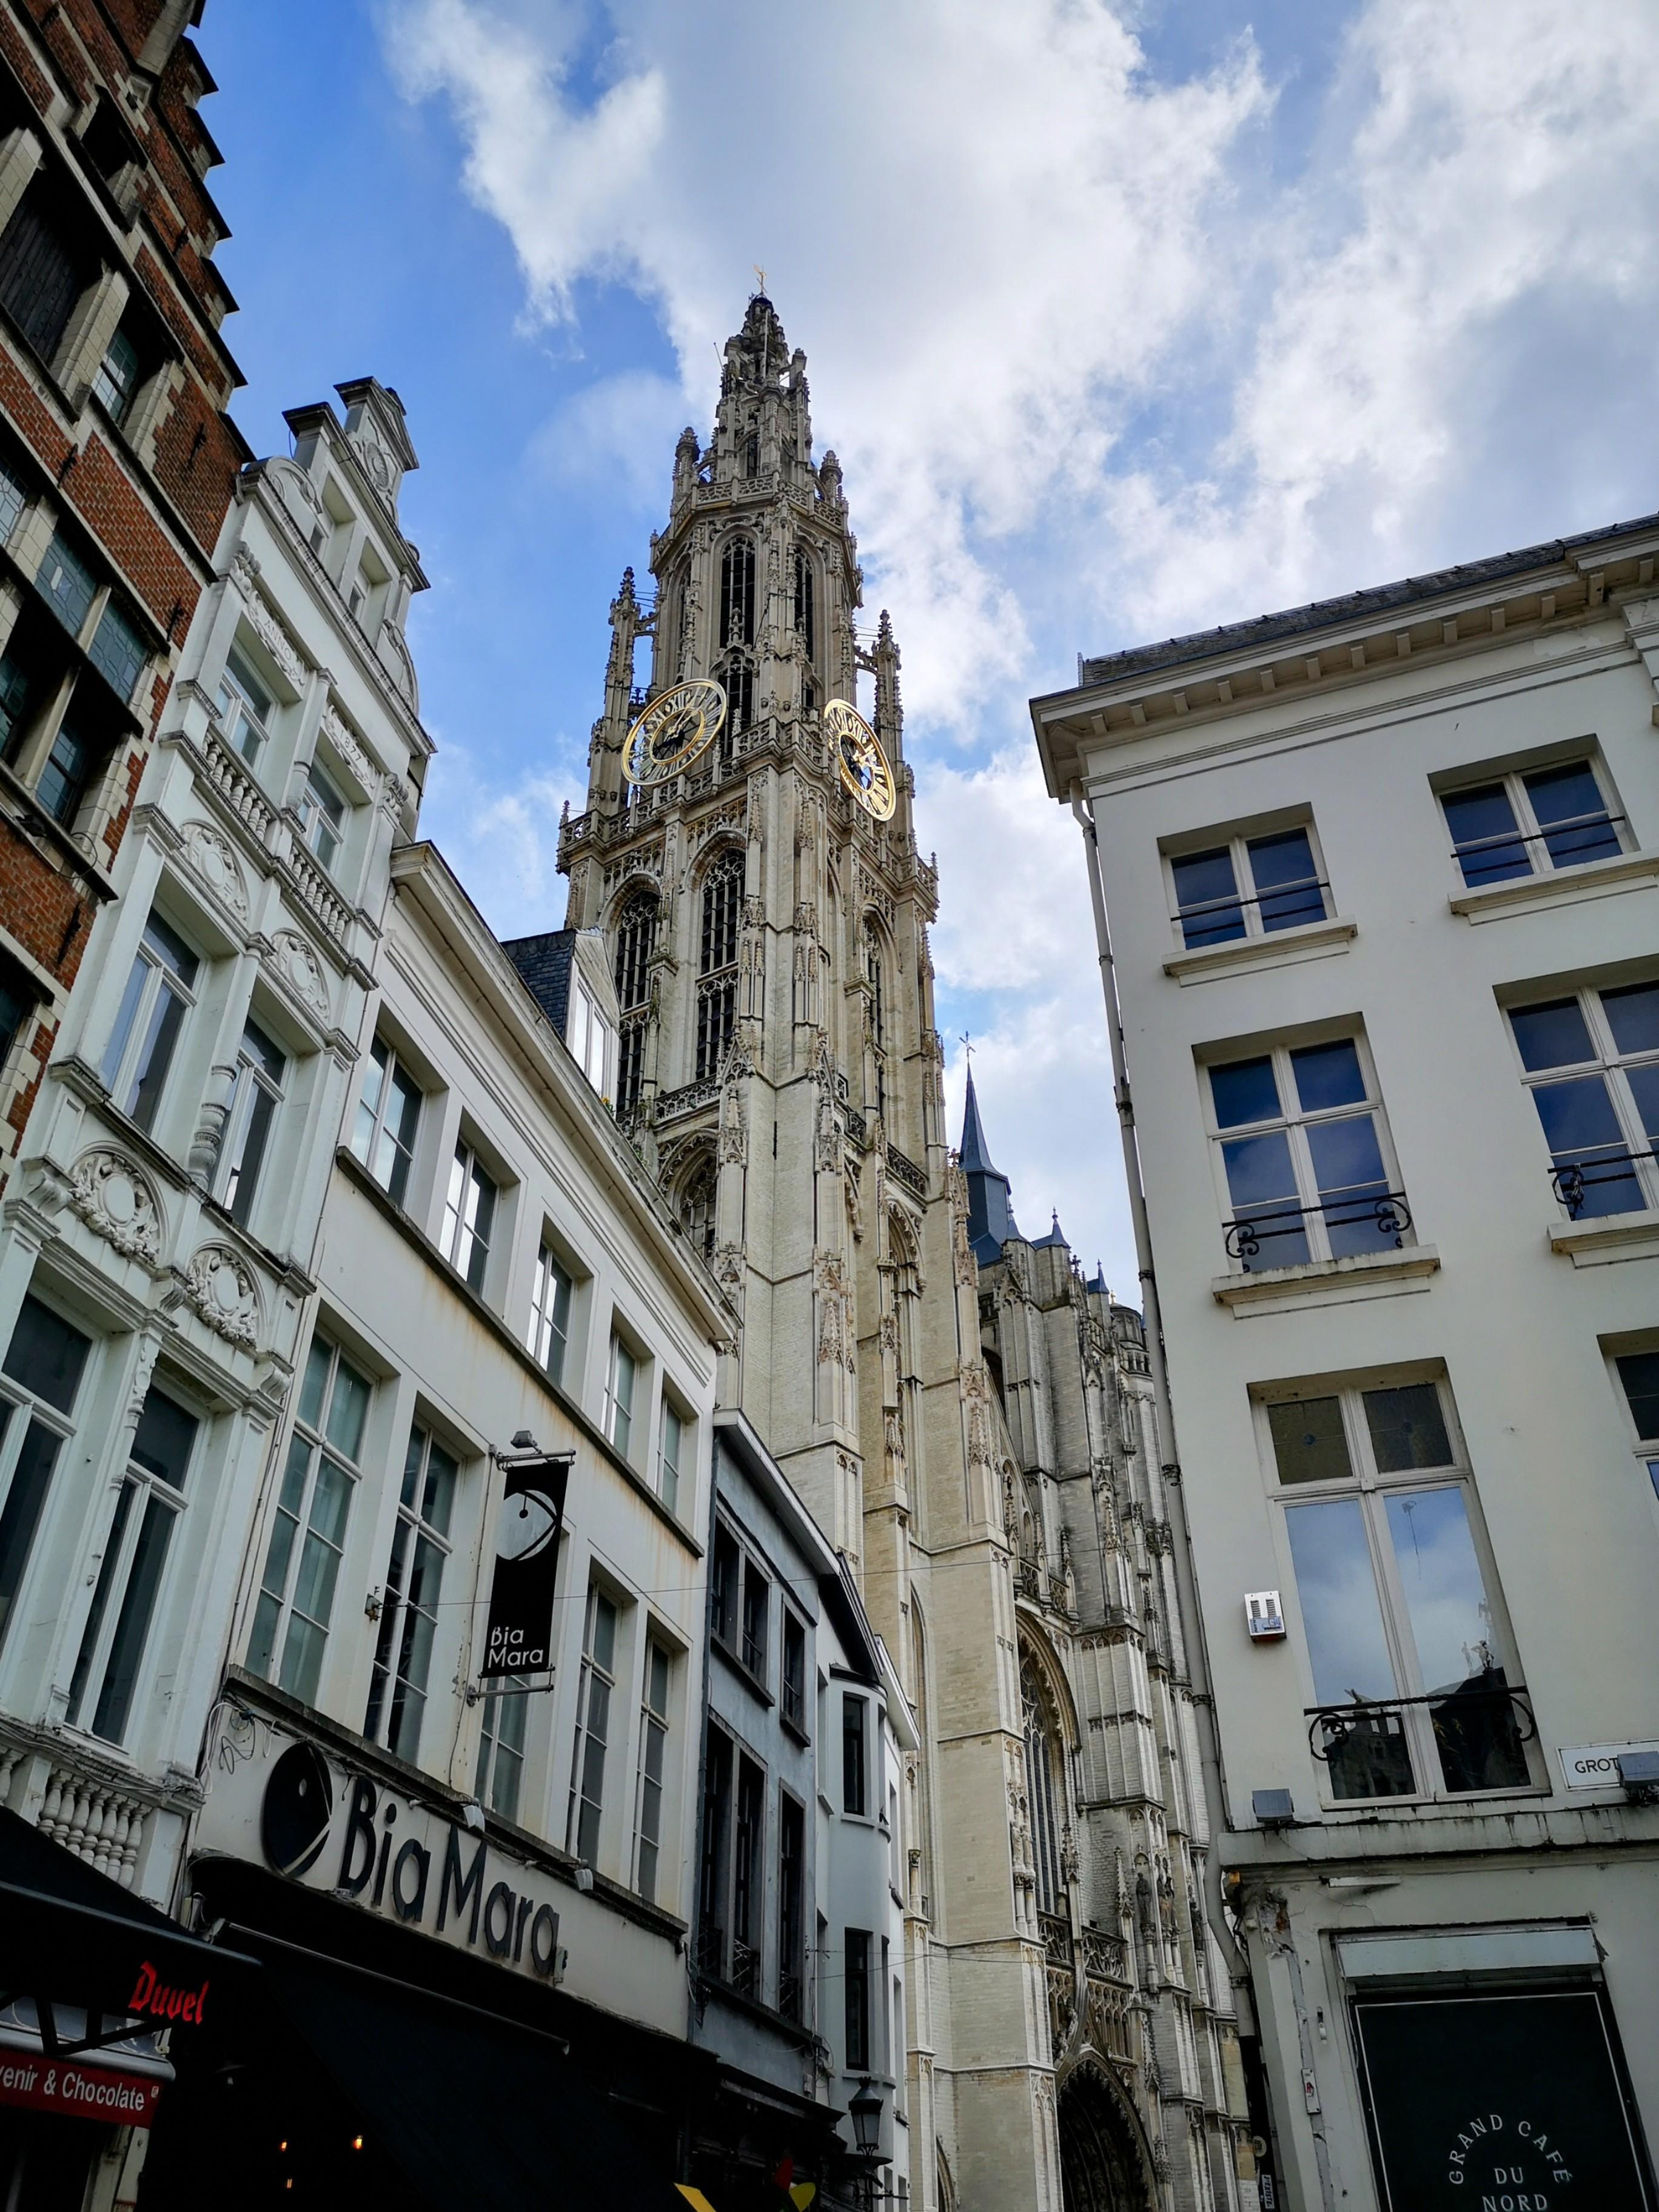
[1101, 2162]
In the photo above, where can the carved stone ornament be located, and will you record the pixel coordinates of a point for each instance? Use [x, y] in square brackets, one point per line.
[208, 851]
[300, 965]
[223, 1292]
[347, 751]
[264, 624]
[113, 1196]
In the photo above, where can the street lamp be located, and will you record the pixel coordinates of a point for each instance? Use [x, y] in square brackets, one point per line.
[864, 2112]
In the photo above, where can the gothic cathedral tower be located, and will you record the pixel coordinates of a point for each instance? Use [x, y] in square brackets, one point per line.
[780, 1071]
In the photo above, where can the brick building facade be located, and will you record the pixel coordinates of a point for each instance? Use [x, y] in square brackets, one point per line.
[117, 462]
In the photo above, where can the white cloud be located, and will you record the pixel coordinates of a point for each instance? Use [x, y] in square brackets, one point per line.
[1098, 368]
[500, 838]
[612, 437]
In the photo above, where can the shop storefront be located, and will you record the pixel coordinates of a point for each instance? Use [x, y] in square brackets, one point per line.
[1492, 2073]
[415, 2043]
[101, 1997]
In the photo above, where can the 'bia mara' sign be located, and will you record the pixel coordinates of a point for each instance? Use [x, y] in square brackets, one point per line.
[334, 1829]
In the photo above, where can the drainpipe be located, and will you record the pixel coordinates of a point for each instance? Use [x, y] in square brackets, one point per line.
[1192, 1619]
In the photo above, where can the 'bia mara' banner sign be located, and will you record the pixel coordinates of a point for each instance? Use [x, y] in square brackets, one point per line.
[313, 1816]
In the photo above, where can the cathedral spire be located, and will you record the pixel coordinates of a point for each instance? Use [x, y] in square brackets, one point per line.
[990, 1212]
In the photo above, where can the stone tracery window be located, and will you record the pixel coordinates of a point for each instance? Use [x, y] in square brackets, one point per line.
[696, 1205]
[1045, 1783]
[717, 989]
[806, 627]
[737, 634]
[636, 932]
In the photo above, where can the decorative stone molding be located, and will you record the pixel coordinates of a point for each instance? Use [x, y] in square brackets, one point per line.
[209, 853]
[343, 742]
[296, 962]
[114, 1196]
[264, 623]
[224, 1291]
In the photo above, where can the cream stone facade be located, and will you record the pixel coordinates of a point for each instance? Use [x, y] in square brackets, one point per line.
[779, 1067]
[1380, 921]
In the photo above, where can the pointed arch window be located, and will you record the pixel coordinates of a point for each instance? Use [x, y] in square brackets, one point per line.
[717, 986]
[636, 934]
[806, 627]
[737, 592]
[1045, 1785]
[696, 1206]
[752, 456]
[875, 975]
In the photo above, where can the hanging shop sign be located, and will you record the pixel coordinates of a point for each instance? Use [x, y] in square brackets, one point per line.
[79, 2092]
[519, 1636]
[327, 1825]
[1499, 2103]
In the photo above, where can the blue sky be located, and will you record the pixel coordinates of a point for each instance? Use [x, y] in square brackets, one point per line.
[1123, 319]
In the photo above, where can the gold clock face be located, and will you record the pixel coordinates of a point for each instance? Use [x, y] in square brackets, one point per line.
[675, 728]
[863, 763]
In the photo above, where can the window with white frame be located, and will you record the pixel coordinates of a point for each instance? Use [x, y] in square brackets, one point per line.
[411, 1596]
[148, 1507]
[591, 1037]
[39, 1379]
[246, 708]
[1591, 1062]
[1638, 1378]
[388, 1115]
[670, 1453]
[307, 1536]
[322, 815]
[1305, 1153]
[500, 1777]
[160, 991]
[1248, 886]
[622, 1372]
[593, 1697]
[653, 1758]
[1416, 1692]
[261, 1072]
[1531, 821]
[551, 1293]
[469, 1215]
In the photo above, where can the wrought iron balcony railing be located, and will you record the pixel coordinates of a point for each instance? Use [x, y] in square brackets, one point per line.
[1576, 1182]
[1354, 1222]
[1479, 1732]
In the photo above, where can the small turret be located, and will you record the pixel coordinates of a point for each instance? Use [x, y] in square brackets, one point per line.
[990, 1212]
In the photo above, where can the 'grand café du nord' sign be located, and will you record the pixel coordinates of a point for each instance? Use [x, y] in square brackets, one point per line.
[315, 1819]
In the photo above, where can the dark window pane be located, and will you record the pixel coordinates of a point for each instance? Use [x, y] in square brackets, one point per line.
[69, 585]
[107, 1571]
[1568, 797]
[68, 770]
[1287, 881]
[41, 275]
[1268, 1228]
[46, 1355]
[19, 1516]
[1489, 846]
[853, 1763]
[244, 1181]
[155, 1057]
[1554, 1034]
[1308, 1441]
[166, 1434]
[1639, 1373]
[1243, 1090]
[118, 651]
[126, 1648]
[17, 996]
[1578, 1115]
[1644, 1088]
[1633, 1017]
[1346, 1156]
[1208, 897]
[1407, 1428]
[164, 940]
[1328, 1075]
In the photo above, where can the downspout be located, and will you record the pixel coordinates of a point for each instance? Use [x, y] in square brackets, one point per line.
[1192, 1619]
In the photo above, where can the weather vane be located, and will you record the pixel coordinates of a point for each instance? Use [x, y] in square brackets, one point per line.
[759, 272]
[967, 1048]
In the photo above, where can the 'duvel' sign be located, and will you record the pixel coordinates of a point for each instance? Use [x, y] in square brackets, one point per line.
[333, 1828]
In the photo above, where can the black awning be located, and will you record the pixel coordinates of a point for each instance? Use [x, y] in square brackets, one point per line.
[70, 1934]
[475, 2108]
